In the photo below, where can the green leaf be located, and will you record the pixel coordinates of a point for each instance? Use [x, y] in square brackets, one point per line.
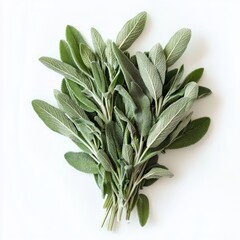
[150, 75]
[131, 31]
[86, 103]
[65, 53]
[194, 76]
[203, 92]
[157, 172]
[99, 77]
[191, 90]
[66, 70]
[55, 119]
[104, 160]
[157, 57]
[127, 153]
[143, 209]
[194, 131]
[111, 143]
[177, 45]
[87, 55]
[67, 105]
[130, 72]
[98, 43]
[168, 120]
[111, 59]
[130, 106]
[74, 39]
[82, 162]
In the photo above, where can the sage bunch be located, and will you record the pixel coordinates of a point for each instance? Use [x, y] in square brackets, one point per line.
[122, 111]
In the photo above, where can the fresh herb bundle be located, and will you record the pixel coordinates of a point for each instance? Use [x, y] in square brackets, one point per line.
[122, 111]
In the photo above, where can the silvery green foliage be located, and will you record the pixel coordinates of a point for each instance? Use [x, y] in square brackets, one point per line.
[122, 111]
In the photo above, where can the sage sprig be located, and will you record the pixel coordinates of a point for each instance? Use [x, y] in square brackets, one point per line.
[123, 110]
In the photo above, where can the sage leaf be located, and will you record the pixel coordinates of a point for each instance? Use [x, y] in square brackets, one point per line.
[87, 55]
[82, 162]
[55, 119]
[74, 39]
[98, 76]
[130, 72]
[127, 153]
[142, 209]
[104, 160]
[194, 76]
[168, 120]
[203, 92]
[131, 31]
[87, 104]
[111, 59]
[177, 45]
[130, 106]
[194, 131]
[157, 172]
[191, 90]
[66, 70]
[150, 75]
[98, 43]
[157, 57]
[65, 53]
[67, 105]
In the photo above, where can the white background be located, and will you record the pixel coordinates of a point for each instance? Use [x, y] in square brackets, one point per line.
[43, 198]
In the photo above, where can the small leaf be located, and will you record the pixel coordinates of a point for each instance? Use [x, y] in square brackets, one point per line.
[143, 209]
[82, 162]
[191, 90]
[150, 75]
[87, 104]
[130, 106]
[157, 172]
[111, 59]
[104, 160]
[157, 57]
[98, 43]
[87, 55]
[127, 153]
[194, 76]
[99, 77]
[55, 119]
[74, 39]
[65, 53]
[131, 31]
[203, 92]
[177, 45]
[194, 131]
[168, 120]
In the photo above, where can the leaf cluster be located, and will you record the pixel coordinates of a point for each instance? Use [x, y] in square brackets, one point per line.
[123, 110]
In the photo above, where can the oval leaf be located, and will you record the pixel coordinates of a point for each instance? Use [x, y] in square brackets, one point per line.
[82, 162]
[104, 160]
[131, 31]
[157, 172]
[55, 119]
[150, 75]
[142, 209]
[203, 92]
[194, 76]
[168, 120]
[177, 45]
[98, 43]
[194, 131]
[65, 53]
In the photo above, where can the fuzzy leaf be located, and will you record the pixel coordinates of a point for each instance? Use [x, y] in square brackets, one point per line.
[55, 119]
[168, 120]
[98, 43]
[157, 172]
[157, 57]
[177, 45]
[65, 53]
[82, 162]
[150, 75]
[194, 76]
[131, 31]
[87, 55]
[104, 160]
